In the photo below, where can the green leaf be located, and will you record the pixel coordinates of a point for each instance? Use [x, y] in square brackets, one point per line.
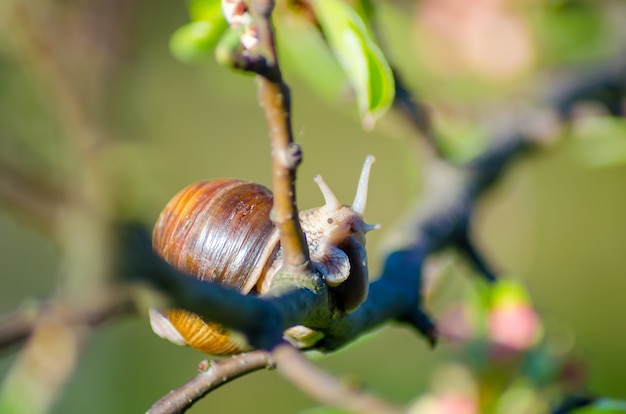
[601, 141]
[572, 31]
[368, 71]
[304, 51]
[205, 10]
[508, 292]
[196, 40]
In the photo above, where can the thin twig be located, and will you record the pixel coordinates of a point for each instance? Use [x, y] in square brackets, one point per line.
[30, 197]
[43, 366]
[275, 99]
[18, 325]
[219, 373]
[323, 387]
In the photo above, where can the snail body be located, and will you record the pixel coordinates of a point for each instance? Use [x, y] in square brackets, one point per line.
[220, 231]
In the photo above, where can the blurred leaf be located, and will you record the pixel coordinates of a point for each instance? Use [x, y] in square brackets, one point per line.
[508, 292]
[519, 397]
[196, 40]
[460, 140]
[304, 51]
[572, 30]
[205, 10]
[365, 9]
[600, 141]
[367, 69]
[603, 406]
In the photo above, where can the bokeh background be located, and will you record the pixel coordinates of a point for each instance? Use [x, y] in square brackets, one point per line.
[556, 222]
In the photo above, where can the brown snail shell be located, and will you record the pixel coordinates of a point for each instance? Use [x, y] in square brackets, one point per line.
[220, 231]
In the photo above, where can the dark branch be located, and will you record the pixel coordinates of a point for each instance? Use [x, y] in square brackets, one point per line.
[443, 219]
[573, 403]
[261, 319]
[604, 84]
[415, 112]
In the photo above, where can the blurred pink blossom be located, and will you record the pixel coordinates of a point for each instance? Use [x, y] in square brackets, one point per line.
[484, 36]
[446, 403]
[514, 326]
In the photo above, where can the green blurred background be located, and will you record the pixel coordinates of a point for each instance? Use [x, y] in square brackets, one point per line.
[557, 221]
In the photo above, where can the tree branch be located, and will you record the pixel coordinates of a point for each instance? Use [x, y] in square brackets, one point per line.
[275, 99]
[261, 319]
[18, 325]
[415, 112]
[35, 380]
[218, 373]
[291, 363]
[442, 219]
[324, 388]
[28, 196]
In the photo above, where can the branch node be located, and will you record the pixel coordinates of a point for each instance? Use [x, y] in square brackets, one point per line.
[476, 259]
[421, 321]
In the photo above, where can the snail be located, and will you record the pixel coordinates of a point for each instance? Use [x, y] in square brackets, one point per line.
[220, 231]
